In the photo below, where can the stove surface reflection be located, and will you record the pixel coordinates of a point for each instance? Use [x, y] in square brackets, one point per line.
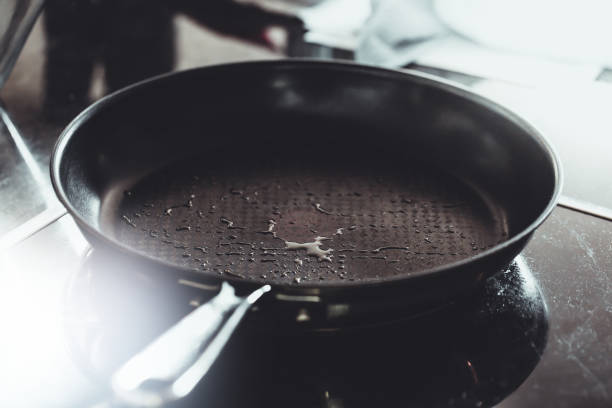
[473, 352]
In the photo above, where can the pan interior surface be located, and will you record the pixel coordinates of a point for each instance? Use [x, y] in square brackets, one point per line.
[289, 212]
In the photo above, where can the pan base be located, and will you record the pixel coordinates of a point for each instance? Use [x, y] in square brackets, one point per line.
[295, 223]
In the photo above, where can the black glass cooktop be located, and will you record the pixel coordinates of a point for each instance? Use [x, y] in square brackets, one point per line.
[536, 335]
[472, 352]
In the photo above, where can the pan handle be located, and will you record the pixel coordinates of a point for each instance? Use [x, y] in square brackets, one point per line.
[182, 355]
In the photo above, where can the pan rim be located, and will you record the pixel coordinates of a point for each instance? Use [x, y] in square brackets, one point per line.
[400, 74]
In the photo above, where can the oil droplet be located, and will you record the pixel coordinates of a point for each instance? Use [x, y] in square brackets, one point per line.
[271, 224]
[230, 273]
[312, 248]
[245, 244]
[388, 247]
[230, 224]
[318, 208]
[130, 222]
[270, 230]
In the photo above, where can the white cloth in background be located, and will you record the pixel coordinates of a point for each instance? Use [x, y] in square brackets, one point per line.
[398, 31]
[572, 31]
[488, 38]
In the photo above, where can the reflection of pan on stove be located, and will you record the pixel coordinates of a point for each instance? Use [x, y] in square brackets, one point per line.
[472, 353]
[356, 193]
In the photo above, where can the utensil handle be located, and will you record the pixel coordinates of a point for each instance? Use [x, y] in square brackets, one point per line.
[183, 354]
[19, 18]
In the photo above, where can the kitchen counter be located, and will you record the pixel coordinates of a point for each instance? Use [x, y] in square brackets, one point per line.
[557, 299]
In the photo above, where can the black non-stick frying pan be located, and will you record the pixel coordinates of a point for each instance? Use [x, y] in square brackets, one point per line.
[356, 188]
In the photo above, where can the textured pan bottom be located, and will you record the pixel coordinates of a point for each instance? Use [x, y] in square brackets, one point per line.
[291, 223]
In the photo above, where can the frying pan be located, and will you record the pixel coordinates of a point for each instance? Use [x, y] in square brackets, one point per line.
[354, 193]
